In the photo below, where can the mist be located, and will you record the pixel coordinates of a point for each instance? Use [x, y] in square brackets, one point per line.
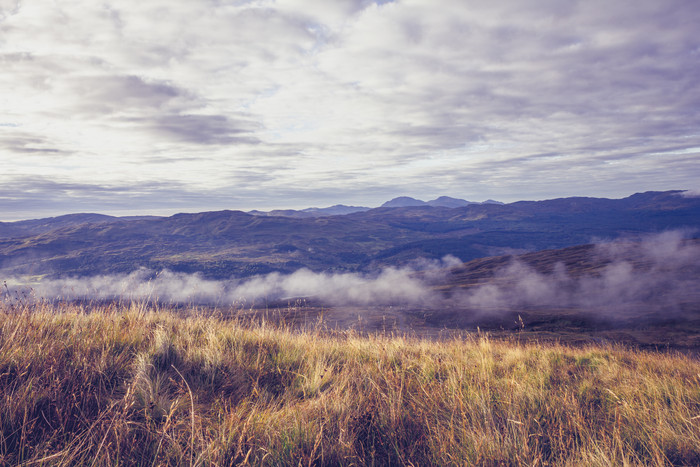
[387, 286]
[658, 272]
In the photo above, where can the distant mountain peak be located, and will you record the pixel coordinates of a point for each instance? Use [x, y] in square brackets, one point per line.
[336, 210]
[442, 201]
[224, 244]
[403, 202]
[449, 202]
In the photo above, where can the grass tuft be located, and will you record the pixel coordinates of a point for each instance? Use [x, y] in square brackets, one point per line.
[128, 384]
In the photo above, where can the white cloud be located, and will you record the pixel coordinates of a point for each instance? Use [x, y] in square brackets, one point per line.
[407, 95]
[655, 274]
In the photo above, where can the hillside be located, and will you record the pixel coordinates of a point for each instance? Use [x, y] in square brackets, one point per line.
[643, 294]
[128, 385]
[232, 243]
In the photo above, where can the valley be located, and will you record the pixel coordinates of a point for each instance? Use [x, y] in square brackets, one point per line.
[572, 270]
[561, 332]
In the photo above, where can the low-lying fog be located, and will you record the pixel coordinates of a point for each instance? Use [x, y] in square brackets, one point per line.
[658, 270]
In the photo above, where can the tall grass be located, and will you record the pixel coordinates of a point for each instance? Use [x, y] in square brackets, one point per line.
[133, 385]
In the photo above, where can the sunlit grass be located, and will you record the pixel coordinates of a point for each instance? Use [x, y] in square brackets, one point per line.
[130, 385]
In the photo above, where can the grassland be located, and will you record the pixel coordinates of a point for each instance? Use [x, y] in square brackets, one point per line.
[132, 385]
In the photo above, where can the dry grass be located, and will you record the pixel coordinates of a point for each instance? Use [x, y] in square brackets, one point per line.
[129, 385]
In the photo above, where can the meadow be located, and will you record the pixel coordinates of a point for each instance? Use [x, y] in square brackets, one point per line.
[136, 384]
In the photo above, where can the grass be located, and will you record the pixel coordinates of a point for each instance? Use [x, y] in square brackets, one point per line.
[134, 385]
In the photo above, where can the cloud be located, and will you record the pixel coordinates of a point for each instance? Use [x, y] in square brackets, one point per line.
[364, 94]
[204, 129]
[26, 144]
[388, 286]
[47, 197]
[108, 94]
[655, 276]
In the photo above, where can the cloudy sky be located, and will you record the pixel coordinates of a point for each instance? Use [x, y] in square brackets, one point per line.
[161, 106]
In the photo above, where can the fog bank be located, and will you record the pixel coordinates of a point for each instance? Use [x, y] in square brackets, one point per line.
[659, 271]
[387, 286]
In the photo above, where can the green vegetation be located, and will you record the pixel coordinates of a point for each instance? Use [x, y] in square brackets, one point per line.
[133, 385]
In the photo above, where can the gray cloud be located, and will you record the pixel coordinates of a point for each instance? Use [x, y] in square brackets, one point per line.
[204, 129]
[109, 94]
[27, 197]
[408, 95]
[17, 142]
[654, 274]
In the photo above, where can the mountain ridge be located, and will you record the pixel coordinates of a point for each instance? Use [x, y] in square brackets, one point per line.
[229, 243]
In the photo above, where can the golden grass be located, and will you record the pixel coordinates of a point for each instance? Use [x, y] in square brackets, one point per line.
[132, 385]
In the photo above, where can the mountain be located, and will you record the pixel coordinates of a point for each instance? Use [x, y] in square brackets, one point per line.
[39, 226]
[403, 202]
[222, 244]
[342, 210]
[442, 201]
[447, 202]
[623, 291]
[337, 210]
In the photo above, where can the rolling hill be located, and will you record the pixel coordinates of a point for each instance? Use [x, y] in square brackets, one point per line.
[223, 244]
[638, 293]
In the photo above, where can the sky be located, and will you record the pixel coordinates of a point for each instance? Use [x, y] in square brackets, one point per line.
[156, 107]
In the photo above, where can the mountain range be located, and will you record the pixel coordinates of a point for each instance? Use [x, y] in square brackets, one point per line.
[341, 209]
[223, 244]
